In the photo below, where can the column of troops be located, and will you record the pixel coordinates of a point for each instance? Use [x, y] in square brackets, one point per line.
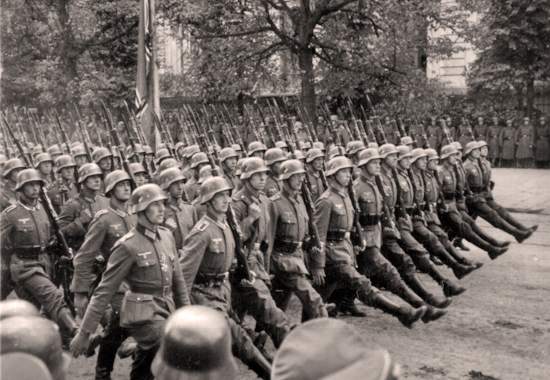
[331, 215]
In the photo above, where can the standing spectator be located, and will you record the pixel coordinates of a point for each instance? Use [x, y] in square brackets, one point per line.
[542, 146]
[480, 130]
[434, 133]
[507, 143]
[525, 140]
[493, 140]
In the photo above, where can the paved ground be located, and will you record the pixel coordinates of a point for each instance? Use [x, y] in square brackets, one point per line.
[498, 330]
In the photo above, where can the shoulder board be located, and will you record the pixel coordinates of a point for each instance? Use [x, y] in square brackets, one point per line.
[123, 239]
[101, 212]
[10, 209]
[163, 228]
[326, 194]
[276, 197]
[201, 226]
[51, 186]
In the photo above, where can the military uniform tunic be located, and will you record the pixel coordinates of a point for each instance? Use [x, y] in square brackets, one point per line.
[542, 144]
[480, 132]
[8, 195]
[183, 216]
[59, 193]
[507, 142]
[272, 185]
[191, 189]
[434, 134]
[493, 140]
[317, 187]
[464, 135]
[525, 139]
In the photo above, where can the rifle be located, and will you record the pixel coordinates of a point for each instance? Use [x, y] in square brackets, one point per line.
[88, 146]
[238, 138]
[252, 123]
[282, 137]
[63, 133]
[118, 145]
[243, 271]
[360, 132]
[165, 136]
[20, 128]
[269, 134]
[37, 131]
[64, 249]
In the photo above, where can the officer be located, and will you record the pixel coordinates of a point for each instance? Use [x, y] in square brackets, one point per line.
[480, 130]
[542, 144]
[26, 233]
[477, 203]
[179, 216]
[334, 216]
[147, 260]
[288, 229]
[309, 353]
[140, 174]
[64, 188]
[77, 213]
[493, 134]
[525, 141]
[251, 209]
[455, 222]
[315, 158]
[196, 344]
[228, 160]
[508, 144]
[192, 187]
[256, 149]
[207, 257]
[44, 164]
[413, 184]
[104, 159]
[107, 227]
[8, 195]
[38, 338]
[274, 157]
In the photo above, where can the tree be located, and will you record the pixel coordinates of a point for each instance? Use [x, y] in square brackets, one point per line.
[55, 51]
[514, 50]
[335, 45]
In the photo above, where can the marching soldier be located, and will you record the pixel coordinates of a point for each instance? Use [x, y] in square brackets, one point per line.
[44, 164]
[103, 158]
[315, 159]
[146, 259]
[507, 142]
[274, 158]
[228, 159]
[108, 226]
[179, 216]
[192, 187]
[8, 195]
[251, 210]
[167, 163]
[542, 144]
[334, 215]
[27, 236]
[493, 136]
[77, 213]
[64, 188]
[207, 257]
[525, 141]
[139, 172]
[288, 230]
[80, 157]
[256, 149]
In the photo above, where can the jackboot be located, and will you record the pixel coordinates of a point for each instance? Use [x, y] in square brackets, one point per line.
[522, 235]
[450, 289]
[496, 252]
[459, 270]
[433, 314]
[465, 261]
[406, 316]
[460, 244]
[348, 306]
[418, 287]
[260, 366]
[67, 326]
[488, 238]
[459, 257]
[413, 299]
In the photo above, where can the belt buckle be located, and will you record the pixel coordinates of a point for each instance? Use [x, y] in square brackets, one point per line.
[347, 235]
[299, 245]
[166, 290]
[256, 246]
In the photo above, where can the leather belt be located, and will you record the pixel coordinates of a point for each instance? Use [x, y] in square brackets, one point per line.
[476, 189]
[30, 252]
[369, 219]
[164, 292]
[449, 196]
[287, 246]
[211, 279]
[337, 235]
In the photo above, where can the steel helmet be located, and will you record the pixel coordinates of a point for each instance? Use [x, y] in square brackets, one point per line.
[387, 149]
[281, 144]
[192, 150]
[238, 168]
[226, 153]
[274, 155]
[403, 151]
[291, 167]
[100, 153]
[64, 161]
[367, 155]
[407, 140]
[23, 366]
[161, 146]
[37, 150]
[432, 154]
[418, 153]
[212, 186]
[481, 143]
[256, 146]
[14, 163]
[75, 144]
[25, 152]
[236, 147]
[354, 147]
[470, 146]
[169, 176]
[54, 149]
[79, 150]
[319, 145]
[16, 307]
[144, 195]
[30, 145]
[304, 145]
[448, 150]
[179, 145]
[253, 165]
[168, 163]
[373, 145]
[136, 167]
[196, 344]
[88, 170]
[113, 178]
[334, 151]
[204, 173]
[299, 155]
[26, 176]
[38, 337]
[457, 145]
[338, 163]
[42, 157]
[147, 149]
[161, 155]
[314, 153]
[198, 158]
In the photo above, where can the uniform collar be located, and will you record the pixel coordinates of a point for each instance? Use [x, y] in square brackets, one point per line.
[365, 179]
[248, 194]
[28, 206]
[293, 199]
[147, 232]
[87, 199]
[386, 171]
[314, 173]
[341, 193]
[120, 212]
[212, 217]
[176, 203]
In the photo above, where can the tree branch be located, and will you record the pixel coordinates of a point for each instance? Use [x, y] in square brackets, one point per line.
[237, 34]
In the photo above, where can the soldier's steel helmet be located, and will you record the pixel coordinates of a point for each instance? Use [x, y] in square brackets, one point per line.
[88, 170]
[387, 149]
[167, 164]
[373, 145]
[196, 344]
[54, 149]
[64, 161]
[136, 167]
[299, 155]
[470, 146]
[169, 176]
[309, 353]
[100, 153]
[407, 140]
[319, 145]
[113, 178]
[338, 163]
[281, 144]
[367, 155]
[334, 151]
[432, 154]
[144, 195]
[403, 151]
[212, 186]
[226, 153]
[79, 150]
[36, 336]
[418, 153]
[448, 150]
[23, 366]
[12, 164]
[192, 150]
[314, 153]
[256, 146]
[197, 159]
[251, 166]
[26, 176]
[291, 167]
[205, 173]
[16, 307]
[354, 147]
[42, 157]
[162, 154]
[482, 143]
[274, 155]
[457, 145]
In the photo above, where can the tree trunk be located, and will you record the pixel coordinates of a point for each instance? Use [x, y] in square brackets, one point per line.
[519, 97]
[305, 61]
[530, 97]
